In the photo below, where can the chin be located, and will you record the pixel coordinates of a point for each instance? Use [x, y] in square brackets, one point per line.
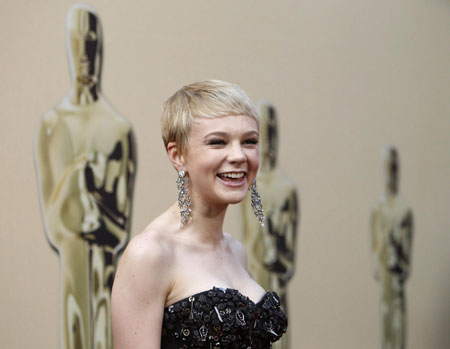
[234, 202]
[231, 196]
[235, 199]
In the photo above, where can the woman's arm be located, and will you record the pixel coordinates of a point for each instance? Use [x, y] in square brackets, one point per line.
[139, 293]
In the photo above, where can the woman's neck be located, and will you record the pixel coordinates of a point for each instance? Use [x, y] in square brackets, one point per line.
[206, 224]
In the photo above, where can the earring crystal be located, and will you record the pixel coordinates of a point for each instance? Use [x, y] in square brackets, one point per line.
[184, 200]
[257, 204]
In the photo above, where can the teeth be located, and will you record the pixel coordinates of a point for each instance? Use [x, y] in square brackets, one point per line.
[233, 175]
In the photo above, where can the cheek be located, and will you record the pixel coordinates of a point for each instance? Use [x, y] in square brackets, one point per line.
[254, 159]
[201, 170]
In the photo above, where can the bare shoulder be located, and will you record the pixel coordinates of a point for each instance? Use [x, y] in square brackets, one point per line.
[150, 240]
[238, 249]
[148, 251]
[147, 261]
[140, 288]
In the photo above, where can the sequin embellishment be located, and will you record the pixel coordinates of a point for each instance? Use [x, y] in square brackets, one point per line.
[223, 318]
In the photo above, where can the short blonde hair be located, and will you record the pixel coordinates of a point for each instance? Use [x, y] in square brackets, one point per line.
[207, 99]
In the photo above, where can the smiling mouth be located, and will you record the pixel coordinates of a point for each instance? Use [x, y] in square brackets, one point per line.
[232, 176]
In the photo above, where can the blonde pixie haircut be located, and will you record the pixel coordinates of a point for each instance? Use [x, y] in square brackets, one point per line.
[204, 99]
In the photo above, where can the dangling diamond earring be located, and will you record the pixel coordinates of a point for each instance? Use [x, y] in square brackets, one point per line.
[184, 200]
[257, 204]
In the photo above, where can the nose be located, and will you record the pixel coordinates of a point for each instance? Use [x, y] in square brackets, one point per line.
[236, 153]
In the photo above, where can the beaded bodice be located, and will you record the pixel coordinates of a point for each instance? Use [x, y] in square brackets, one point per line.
[223, 318]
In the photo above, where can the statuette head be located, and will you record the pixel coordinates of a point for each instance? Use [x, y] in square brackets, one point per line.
[391, 169]
[268, 136]
[84, 44]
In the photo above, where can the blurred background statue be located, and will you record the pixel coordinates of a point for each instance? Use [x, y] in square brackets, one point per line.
[271, 249]
[391, 239]
[86, 165]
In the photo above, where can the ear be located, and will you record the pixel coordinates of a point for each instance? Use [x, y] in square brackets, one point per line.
[175, 157]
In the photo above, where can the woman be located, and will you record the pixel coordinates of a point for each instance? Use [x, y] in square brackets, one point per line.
[182, 282]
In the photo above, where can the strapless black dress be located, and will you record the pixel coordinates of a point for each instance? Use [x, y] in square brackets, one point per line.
[223, 318]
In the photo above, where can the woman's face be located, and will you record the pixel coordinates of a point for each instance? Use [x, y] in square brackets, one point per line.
[222, 158]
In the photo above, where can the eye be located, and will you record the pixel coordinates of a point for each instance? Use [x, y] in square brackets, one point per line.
[253, 141]
[216, 142]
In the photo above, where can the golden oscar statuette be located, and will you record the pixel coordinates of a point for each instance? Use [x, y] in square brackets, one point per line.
[271, 249]
[391, 232]
[85, 159]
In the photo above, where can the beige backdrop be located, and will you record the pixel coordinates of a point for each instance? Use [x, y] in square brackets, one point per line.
[347, 78]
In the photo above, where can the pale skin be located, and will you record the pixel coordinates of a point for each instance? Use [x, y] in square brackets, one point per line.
[166, 263]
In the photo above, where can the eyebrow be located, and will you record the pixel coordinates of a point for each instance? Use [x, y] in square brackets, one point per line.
[224, 134]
